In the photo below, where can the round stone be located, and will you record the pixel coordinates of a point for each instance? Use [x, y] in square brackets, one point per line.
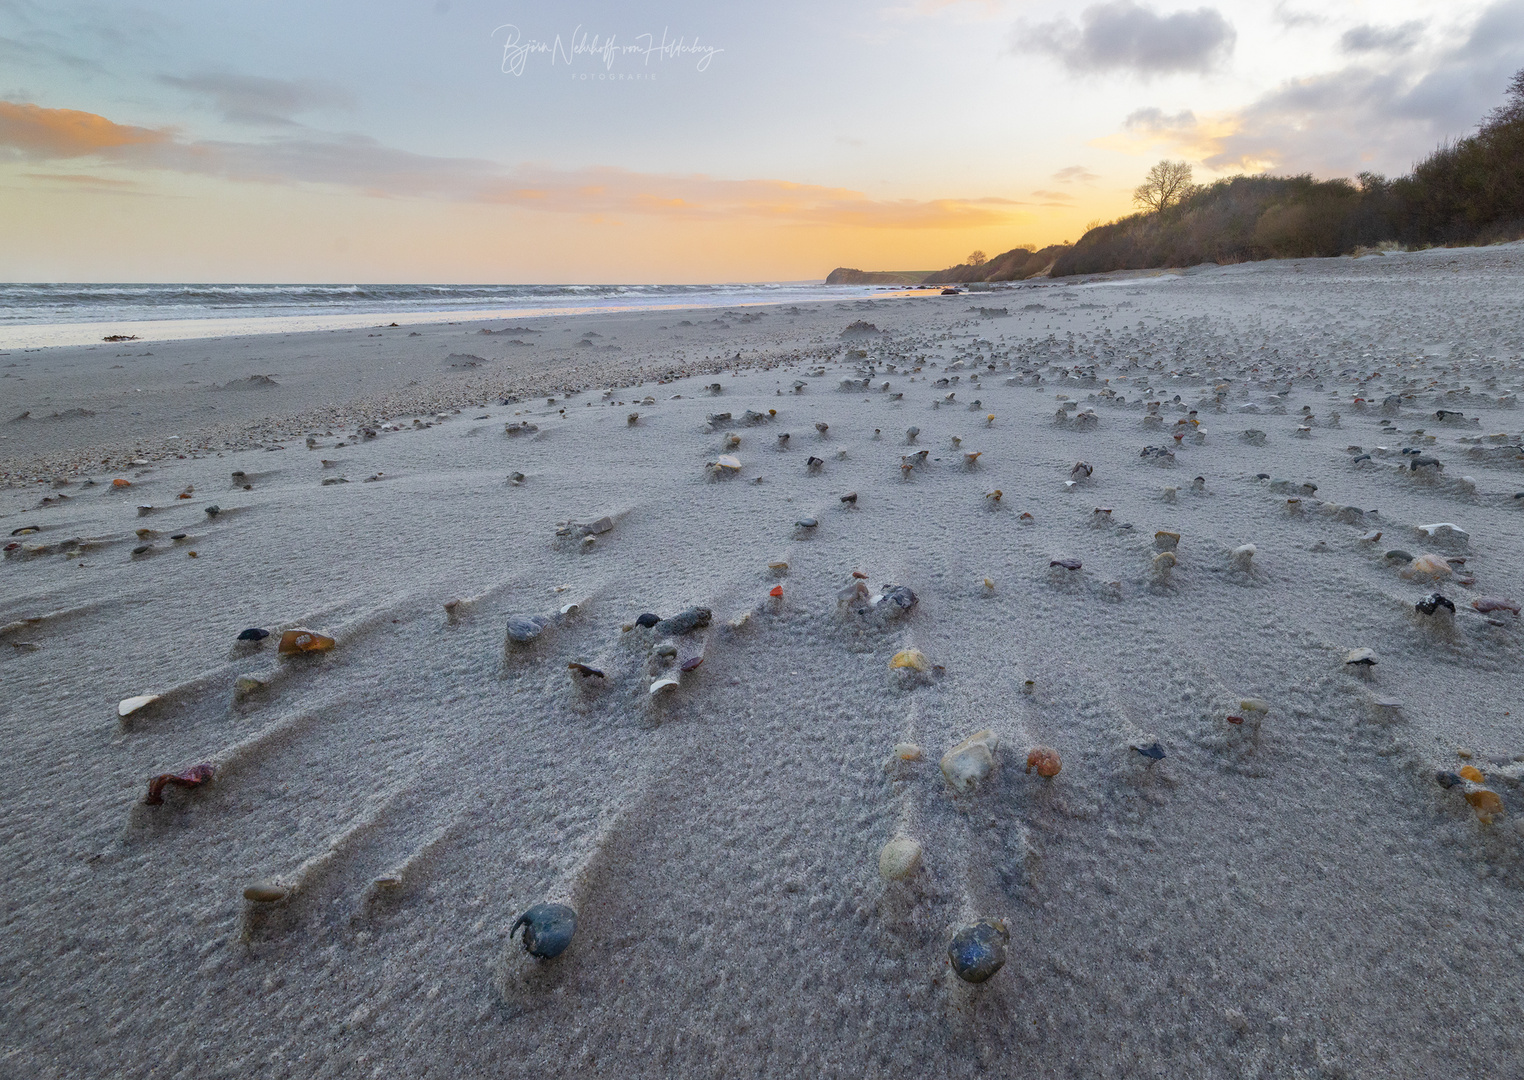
[264, 892]
[978, 951]
[548, 929]
[899, 858]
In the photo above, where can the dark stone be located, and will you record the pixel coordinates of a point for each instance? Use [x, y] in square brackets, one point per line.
[978, 951]
[648, 620]
[254, 633]
[548, 929]
[1153, 751]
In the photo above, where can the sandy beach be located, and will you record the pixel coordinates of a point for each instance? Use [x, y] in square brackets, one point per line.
[1151, 523]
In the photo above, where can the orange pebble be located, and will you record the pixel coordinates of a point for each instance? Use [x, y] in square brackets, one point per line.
[192, 554]
[777, 590]
[1485, 803]
[301, 640]
[119, 482]
[1472, 773]
[1046, 761]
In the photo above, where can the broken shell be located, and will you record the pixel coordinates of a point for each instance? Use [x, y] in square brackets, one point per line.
[807, 523]
[692, 663]
[301, 640]
[120, 483]
[632, 419]
[1365, 658]
[1045, 760]
[728, 461]
[778, 567]
[850, 497]
[822, 427]
[1165, 540]
[907, 751]
[254, 633]
[1472, 773]
[776, 591]
[813, 463]
[1244, 555]
[1163, 562]
[1067, 564]
[667, 682]
[973, 458]
[909, 658]
[548, 930]
[190, 778]
[585, 671]
[1152, 751]
[978, 951]
[1254, 705]
[265, 892]
[993, 496]
[128, 706]
[899, 858]
[895, 600]
[1486, 803]
[969, 763]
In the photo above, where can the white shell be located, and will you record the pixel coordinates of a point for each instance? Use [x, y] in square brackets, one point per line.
[128, 706]
[728, 461]
[667, 683]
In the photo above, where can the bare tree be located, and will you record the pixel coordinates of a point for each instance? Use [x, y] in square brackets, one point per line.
[975, 258]
[1166, 185]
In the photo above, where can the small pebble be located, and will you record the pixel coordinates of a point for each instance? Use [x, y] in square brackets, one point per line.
[254, 633]
[899, 858]
[978, 951]
[264, 893]
[548, 929]
[1045, 760]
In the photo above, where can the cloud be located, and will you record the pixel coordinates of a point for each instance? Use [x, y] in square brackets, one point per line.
[1075, 174]
[1053, 196]
[1380, 113]
[29, 131]
[253, 99]
[1292, 18]
[367, 166]
[1387, 39]
[1123, 36]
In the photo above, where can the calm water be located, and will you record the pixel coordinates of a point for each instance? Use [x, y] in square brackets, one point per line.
[73, 314]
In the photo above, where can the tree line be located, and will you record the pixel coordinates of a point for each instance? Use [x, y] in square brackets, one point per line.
[1470, 191]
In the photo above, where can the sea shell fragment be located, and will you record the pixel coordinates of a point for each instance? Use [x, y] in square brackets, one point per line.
[128, 706]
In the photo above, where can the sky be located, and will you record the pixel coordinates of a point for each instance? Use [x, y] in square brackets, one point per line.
[489, 141]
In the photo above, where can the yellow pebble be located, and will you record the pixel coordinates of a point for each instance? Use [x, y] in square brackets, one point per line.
[1486, 803]
[909, 658]
[1472, 773]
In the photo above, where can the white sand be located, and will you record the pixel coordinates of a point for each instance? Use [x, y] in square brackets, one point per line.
[1307, 903]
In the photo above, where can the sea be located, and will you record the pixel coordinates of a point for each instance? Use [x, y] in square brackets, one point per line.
[43, 315]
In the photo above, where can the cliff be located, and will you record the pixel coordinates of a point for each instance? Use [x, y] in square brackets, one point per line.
[843, 275]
